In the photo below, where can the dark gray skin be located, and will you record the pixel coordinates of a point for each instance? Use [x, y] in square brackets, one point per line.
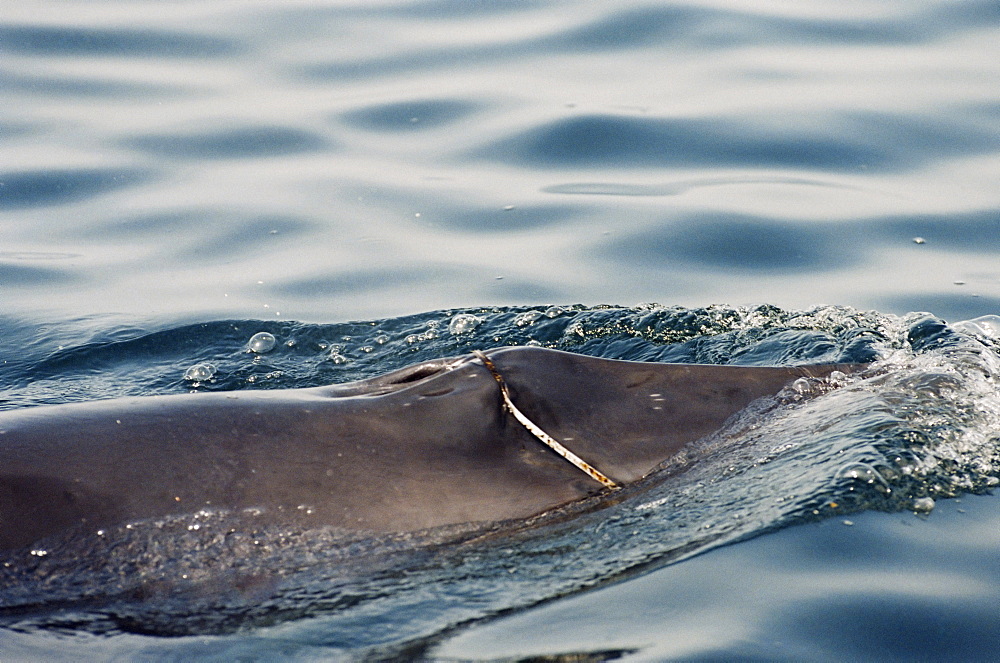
[424, 446]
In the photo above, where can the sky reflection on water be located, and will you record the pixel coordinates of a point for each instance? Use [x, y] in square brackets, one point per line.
[351, 161]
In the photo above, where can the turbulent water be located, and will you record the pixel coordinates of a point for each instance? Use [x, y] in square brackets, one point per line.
[916, 426]
[790, 180]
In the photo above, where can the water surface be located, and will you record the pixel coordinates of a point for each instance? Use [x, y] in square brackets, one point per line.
[351, 175]
[333, 161]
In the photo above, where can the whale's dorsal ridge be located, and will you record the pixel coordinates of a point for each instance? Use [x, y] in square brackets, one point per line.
[423, 446]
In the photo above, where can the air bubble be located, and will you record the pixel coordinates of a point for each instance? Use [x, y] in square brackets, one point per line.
[865, 474]
[802, 386]
[200, 372]
[261, 342]
[837, 378]
[527, 318]
[923, 505]
[463, 323]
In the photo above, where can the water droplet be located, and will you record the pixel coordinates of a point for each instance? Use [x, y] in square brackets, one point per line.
[261, 342]
[919, 240]
[463, 323]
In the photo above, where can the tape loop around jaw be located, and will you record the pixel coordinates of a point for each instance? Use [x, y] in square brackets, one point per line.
[545, 438]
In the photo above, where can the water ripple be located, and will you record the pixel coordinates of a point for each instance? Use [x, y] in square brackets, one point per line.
[238, 143]
[676, 188]
[872, 141]
[82, 86]
[737, 242]
[364, 280]
[409, 115]
[950, 306]
[742, 242]
[969, 232]
[22, 189]
[616, 141]
[31, 276]
[62, 41]
[511, 219]
[678, 28]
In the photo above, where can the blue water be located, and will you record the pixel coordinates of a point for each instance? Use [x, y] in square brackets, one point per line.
[349, 176]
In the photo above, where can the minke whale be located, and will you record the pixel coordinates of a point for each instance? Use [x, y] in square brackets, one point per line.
[436, 443]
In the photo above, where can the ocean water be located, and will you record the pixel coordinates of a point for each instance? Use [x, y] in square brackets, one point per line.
[788, 182]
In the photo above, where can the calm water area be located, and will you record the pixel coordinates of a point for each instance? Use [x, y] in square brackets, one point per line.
[709, 181]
